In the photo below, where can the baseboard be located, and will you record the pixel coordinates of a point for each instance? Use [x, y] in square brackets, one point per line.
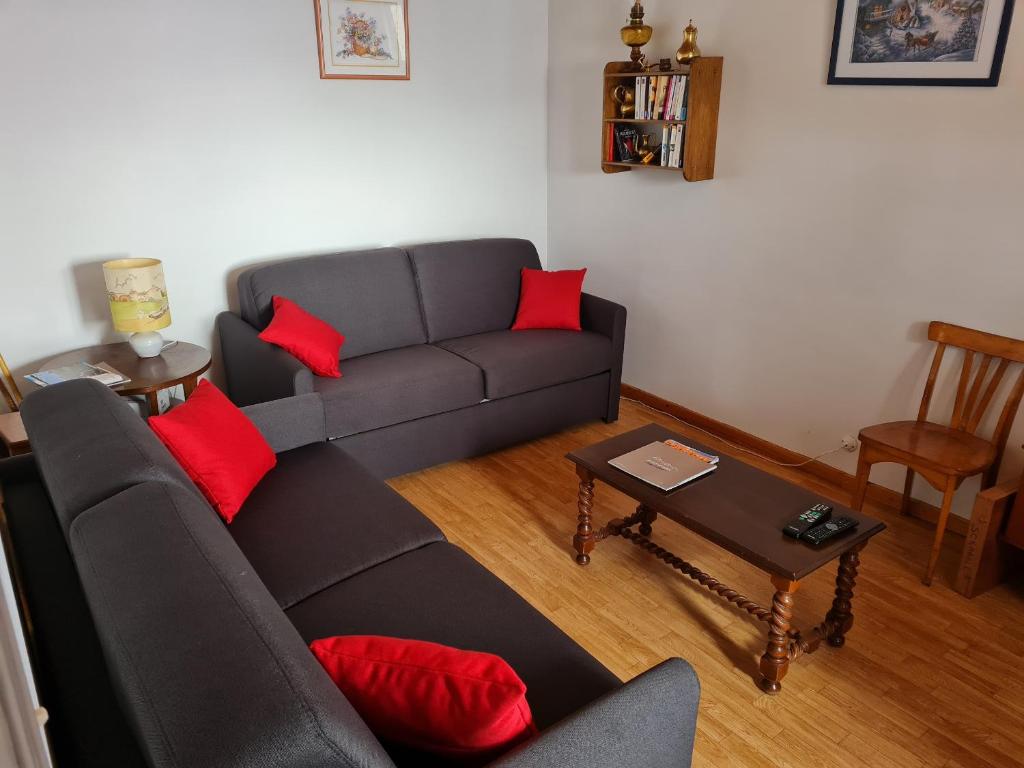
[843, 481]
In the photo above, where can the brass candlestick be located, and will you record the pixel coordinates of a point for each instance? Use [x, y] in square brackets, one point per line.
[688, 51]
[636, 35]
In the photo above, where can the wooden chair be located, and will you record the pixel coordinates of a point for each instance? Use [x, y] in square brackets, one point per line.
[946, 456]
[8, 387]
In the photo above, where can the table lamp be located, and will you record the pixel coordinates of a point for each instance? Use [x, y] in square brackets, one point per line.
[138, 302]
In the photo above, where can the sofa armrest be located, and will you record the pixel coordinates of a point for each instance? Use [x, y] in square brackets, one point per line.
[650, 721]
[256, 371]
[609, 319]
[291, 422]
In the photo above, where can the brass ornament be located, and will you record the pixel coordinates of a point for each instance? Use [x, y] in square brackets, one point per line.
[625, 101]
[688, 51]
[636, 35]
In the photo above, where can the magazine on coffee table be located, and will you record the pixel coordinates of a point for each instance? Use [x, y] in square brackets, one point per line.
[666, 464]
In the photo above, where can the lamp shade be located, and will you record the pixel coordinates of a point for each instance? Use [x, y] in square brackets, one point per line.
[137, 294]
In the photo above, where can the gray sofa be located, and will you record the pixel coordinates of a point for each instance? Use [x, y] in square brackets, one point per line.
[165, 638]
[430, 370]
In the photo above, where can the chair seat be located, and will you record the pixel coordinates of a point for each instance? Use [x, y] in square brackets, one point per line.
[947, 450]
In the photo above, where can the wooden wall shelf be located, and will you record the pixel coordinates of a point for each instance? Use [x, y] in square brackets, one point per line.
[701, 123]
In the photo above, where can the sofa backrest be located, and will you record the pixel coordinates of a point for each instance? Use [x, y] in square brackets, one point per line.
[208, 669]
[369, 296]
[470, 286]
[90, 445]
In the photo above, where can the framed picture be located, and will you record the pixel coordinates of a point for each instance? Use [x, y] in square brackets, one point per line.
[363, 39]
[919, 42]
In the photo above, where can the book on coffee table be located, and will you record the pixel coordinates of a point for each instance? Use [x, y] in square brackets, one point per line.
[101, 372]
[666, 464]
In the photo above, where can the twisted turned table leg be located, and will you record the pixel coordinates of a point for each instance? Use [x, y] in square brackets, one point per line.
[584, 540]
[775, 661]
[840, 618]
[647, 517]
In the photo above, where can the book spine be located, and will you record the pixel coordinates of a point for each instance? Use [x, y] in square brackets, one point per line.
[684, 97]
[670, 93]
[664, 145]
[652, 95]
[637, 92]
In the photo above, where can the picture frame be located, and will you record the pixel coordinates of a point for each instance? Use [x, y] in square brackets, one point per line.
[362, 39]
[919, 42]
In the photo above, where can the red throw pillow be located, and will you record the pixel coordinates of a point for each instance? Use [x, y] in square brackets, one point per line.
[217, 445]
[310, 340]
[428, 696]
[550, 299]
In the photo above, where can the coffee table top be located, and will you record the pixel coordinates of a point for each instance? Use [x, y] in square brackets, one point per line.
[739, 507]
[171, 367]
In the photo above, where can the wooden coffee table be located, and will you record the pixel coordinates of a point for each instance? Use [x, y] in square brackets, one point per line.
[741, 509]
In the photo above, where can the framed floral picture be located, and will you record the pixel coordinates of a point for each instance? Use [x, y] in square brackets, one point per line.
[919, 42]
[363, 39]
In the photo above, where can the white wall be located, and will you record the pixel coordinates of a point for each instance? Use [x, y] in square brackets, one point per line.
[788, 296]
[200, 133]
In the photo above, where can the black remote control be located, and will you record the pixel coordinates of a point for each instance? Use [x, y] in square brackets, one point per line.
[822, 533]
[816, 515]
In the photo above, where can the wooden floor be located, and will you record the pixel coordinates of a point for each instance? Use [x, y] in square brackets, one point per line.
[927, 678]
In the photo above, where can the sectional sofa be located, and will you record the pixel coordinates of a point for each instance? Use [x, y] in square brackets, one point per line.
[164, 638]
[430, 370]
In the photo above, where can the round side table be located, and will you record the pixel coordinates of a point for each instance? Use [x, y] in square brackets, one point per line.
[181, 364]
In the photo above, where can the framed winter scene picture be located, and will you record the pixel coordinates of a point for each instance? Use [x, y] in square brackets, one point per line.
[363, 39]
[919, 42]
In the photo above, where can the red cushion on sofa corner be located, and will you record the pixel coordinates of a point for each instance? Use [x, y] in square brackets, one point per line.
[316, 344]
[217, 446]
[550, 299]
[428, 696]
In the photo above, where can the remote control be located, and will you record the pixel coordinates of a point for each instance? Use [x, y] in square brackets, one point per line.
[816, 515]
[822, 533]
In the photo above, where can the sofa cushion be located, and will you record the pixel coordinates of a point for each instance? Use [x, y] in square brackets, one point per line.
[470, 286]
[370, 296]
[221, 450]
[91, 445]
[319, 517]
[206, 666]
[440, 594]
[429, 696]
[398, 385]
[521, 361]
[308, 339]
[550, 299]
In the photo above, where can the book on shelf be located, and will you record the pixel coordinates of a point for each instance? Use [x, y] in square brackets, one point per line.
[660, 97]
[101, 372]
[666, 464]
[626, 142]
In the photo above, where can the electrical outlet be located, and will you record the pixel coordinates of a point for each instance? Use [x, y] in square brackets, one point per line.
[849, 443]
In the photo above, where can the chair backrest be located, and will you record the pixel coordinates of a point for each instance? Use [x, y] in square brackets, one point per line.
[979, 383]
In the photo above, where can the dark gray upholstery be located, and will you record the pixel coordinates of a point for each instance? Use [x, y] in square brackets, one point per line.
[648, 722]
[90, 445]
[369, 296]
[514, 362]
[446, 597]
[291, 422]
[397, 385]
[255, 370]
[490, 426]
[608, 319]
[208, 668]
[205, 666]
[319, 517]
[470, 286]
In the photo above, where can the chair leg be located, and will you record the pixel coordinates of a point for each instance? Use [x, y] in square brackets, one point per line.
[940, 531]
[861, 487]
[908, 486]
